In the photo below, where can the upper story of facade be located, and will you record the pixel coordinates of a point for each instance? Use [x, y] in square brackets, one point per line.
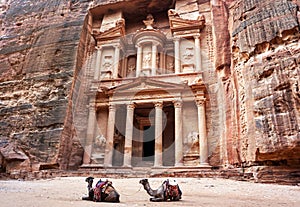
[140, 41]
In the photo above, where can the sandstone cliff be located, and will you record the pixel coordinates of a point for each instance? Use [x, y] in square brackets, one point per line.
[253, 46]
[39, 45]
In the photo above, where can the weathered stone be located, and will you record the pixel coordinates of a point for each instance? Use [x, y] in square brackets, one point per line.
[249, 53]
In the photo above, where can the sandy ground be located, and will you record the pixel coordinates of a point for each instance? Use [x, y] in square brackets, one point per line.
[196, 192]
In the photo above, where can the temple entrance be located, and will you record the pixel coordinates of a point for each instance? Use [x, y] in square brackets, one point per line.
[148, 143]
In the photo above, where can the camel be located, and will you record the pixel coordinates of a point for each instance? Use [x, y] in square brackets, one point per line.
[168, 190]
[102, 192]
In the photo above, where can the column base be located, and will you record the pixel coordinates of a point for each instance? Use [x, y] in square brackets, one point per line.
[158, 167]
[126, 167]
[178, 165]
[204, 164]
[91, 166]
[108, 166]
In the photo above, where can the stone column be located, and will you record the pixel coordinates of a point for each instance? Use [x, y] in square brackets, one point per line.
[162, 62]
[197, 53]
[153, 59]
[128, 136]
[178, 133]
[125, 66]
[116, 61]
[177, 55]
[203, 147]
[90, 135]
[138, 60]
[98, 63]
[110, 136]
[158, 161]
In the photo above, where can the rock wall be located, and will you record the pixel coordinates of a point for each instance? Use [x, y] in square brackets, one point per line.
[264, 81]
[39, 43]
[251, 49]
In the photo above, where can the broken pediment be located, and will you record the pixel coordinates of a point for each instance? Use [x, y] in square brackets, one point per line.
[179, 24]
[112, 33]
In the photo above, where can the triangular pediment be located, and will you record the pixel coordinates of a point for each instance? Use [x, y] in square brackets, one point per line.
[147, 85]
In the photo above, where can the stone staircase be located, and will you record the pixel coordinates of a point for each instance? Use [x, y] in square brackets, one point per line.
[259, 174]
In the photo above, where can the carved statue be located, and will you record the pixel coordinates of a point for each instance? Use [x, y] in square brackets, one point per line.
[100, 140]
[172, 13]
[193, 141]
[147, 59]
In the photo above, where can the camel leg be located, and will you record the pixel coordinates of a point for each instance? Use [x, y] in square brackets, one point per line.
[157, 199]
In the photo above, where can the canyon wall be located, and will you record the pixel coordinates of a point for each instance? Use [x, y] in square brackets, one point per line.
[39, 52]
[252, 52]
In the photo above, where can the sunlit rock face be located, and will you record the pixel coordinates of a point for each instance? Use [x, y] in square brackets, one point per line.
[249, 58]
[265, 66]
[39, 45]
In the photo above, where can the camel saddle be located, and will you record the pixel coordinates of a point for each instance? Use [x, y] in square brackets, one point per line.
[99, 189]
[172, 189]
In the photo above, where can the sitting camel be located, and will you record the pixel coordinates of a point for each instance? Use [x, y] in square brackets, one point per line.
[103, 191]
[168, 190]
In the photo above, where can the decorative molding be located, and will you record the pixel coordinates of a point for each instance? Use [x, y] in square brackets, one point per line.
[130, 106]
[158, 104]
[112, 107]
[177, 103]
[200, 101]
[179, 24]
[112, 33]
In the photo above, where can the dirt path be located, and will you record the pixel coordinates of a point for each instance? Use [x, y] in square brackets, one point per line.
[206, 192]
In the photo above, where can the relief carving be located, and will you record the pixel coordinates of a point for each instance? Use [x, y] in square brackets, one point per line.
[107, 63]
[189, 53]
[193, 142]
[147, 60]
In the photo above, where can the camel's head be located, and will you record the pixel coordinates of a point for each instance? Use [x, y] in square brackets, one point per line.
[89, 179]
[143, 181]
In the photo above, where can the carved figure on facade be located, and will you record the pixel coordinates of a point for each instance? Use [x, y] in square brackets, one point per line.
[170, 66]
[100, 141]
[107, 63]
[193, 142]
[189, 53]
[173, 13]
[131, 68]
[147, 60]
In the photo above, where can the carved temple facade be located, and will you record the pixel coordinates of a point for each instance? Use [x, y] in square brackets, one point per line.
[148, 100]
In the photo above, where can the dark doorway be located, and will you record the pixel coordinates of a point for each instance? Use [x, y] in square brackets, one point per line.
[148, 143]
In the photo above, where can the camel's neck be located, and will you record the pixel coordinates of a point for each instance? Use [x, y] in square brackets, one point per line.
[149, 190]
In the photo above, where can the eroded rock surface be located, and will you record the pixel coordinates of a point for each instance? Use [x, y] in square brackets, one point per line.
[251, 58]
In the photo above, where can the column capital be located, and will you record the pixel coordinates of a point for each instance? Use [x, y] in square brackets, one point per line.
[177, 103]
[200, 101]
[117, 46]
[155, 44]
[112, 107]
[197, 36]
[91, 106]
[176, 39]
[138, 45]
[158, 104]
[131, 106]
